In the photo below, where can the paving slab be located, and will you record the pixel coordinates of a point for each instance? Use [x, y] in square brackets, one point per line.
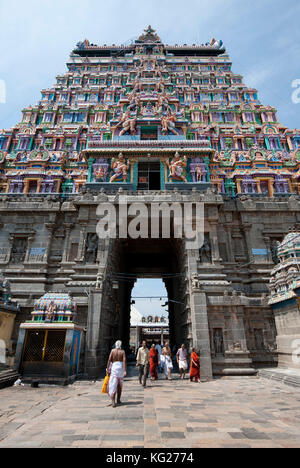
[224, 413]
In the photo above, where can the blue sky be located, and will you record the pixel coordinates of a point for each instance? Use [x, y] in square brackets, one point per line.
[261, 36]
[150, 287]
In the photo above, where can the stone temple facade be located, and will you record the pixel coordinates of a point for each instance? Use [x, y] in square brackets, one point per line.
[159, 123]
[285, 300]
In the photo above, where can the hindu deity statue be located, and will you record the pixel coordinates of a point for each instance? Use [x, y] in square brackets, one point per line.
[199, 173]
[128, 123]
[101, 173]
[91, 250]
[5, 291]
[163, 104]
[120, 168]
[177, 167]
[168, 124]
[50, 312]
[205, 251]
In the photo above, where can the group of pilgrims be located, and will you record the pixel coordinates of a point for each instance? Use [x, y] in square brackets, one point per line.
[155, 360]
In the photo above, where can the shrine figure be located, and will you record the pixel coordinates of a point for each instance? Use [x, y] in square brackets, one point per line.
[216, 44]
[91, 249]
[128, 123]
[163, 104]
[168, 124]
[237, 346]
[177, 167]
[101, 173]
[5, 288]
[259, 339]
[148, 109]
[50, 312]
[99, 281]
[218, 341]
[205, 252]
[18, 252]
[199, 173]
[134, 102]
[195, 282]
[120, 168]
[274, 251]
[160, 85]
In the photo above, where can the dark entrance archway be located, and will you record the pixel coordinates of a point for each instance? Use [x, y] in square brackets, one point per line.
[152, 259]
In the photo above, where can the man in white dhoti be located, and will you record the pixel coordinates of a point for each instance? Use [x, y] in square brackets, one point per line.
[117, 369]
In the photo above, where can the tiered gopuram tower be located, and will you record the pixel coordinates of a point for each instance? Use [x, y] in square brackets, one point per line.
[160, 123]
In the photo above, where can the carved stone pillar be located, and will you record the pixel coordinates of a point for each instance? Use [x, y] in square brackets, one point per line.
[81, 245]
[100, 308]
[50, 227]
[29, 244]
[199, 317]
[39, 184]
[267, 242]
[247, 228]
[214, 242]
[26, 186]
[271, 187]
[258, 187]
[230, 254]
[68, 228]
[9, 253]
[238, 327]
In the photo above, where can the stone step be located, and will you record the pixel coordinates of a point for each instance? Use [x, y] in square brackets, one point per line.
[283, 375]
[8, 377]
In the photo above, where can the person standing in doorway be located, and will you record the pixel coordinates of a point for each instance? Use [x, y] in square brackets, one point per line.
[195, 366]
[142, 362]
[116, 369]
[154, 361]
[167, 360]
[159, 350]
[182, 361]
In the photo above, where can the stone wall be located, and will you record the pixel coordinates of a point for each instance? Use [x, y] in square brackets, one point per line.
[46, 250]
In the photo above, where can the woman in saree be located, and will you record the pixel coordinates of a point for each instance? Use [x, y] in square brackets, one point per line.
[195, 366]
[154, 361]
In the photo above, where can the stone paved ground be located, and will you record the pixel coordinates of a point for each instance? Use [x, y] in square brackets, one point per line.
[240, 412]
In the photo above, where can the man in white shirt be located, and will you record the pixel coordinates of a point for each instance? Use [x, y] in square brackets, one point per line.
[182, 361]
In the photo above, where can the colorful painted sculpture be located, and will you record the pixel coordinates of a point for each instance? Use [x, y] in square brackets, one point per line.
[177, 168]
[168, 124]
[120, 168]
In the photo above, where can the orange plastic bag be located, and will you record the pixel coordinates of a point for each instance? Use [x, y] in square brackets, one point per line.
[105, 385]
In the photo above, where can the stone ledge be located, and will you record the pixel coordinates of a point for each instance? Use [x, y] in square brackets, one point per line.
[201, 186]
[110, 187]
[8, 377]
[286, 376]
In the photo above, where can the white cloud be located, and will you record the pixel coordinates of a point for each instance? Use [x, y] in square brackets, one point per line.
[258, 76]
